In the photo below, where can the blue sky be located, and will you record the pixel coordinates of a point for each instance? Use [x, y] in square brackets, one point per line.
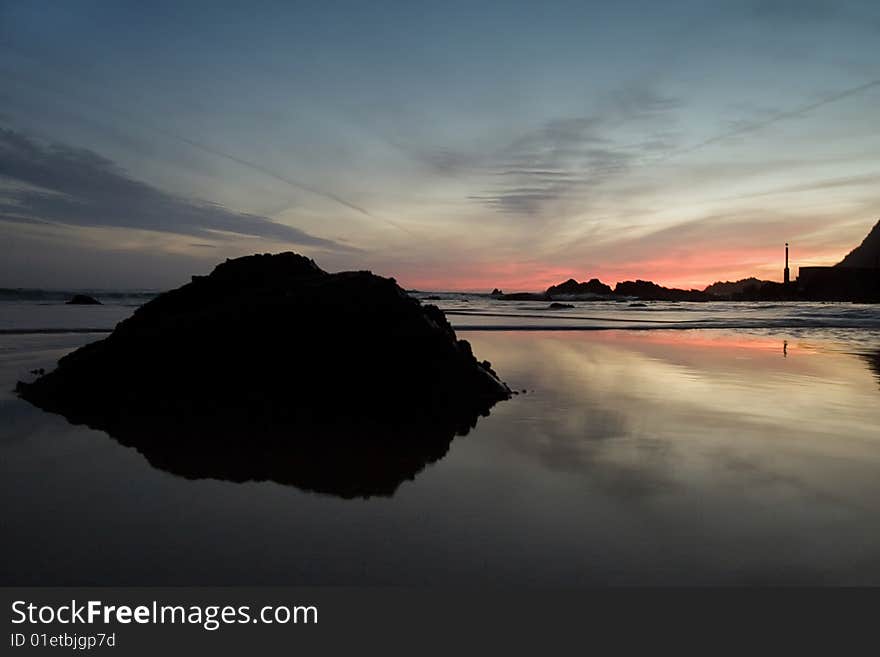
[452, 145]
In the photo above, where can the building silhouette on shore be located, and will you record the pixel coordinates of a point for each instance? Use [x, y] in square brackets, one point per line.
[855, 278]
[786, 275]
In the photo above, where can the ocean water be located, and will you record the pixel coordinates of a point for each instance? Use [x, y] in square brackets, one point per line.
[720, 443]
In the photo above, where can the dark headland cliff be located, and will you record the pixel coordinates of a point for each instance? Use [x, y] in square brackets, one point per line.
[866, 254]
[271, 368]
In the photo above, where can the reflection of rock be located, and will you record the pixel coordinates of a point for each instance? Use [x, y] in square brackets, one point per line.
[873, 361]
[559, 306]
[83, 300]
[271, 368]
[345, 457]
[524, 296]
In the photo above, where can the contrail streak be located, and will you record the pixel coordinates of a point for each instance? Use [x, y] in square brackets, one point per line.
[261, 169]
[269, 172]
[790, 114]
[216, 152]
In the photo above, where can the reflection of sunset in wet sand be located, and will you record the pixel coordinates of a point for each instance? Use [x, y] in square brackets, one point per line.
[699, 422]
[633, 457]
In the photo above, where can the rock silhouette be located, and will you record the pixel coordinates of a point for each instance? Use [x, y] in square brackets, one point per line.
[649, 291]
[866, 254]
[728, 289]
[83, 300]
[571, 288]
[272, 369]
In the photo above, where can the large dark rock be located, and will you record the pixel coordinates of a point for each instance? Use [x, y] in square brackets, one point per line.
[83, 300]
[571, 289]
[270, 368]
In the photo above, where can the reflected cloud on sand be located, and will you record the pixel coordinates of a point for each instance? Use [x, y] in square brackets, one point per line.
[641, 414]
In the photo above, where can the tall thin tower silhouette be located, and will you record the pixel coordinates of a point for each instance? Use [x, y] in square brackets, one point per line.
[786, 275]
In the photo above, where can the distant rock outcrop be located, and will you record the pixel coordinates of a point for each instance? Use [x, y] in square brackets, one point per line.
[728, 289]
[571, 289]
[867, 254]
[496, 292]
[271, 368]
[83, 300]
[649, 291]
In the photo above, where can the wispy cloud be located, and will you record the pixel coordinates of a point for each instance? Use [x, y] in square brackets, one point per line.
[570, 157]
[82, 84]
[57, 183]
[567, 156]
[143, 100]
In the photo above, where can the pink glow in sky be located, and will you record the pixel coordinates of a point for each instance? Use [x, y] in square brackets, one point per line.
[452, 147]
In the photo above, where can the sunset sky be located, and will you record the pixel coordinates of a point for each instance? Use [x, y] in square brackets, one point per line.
[453, 145]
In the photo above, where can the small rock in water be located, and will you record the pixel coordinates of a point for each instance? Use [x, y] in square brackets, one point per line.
[83, 300]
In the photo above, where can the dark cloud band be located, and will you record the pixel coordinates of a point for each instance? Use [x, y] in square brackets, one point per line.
[60, 184]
